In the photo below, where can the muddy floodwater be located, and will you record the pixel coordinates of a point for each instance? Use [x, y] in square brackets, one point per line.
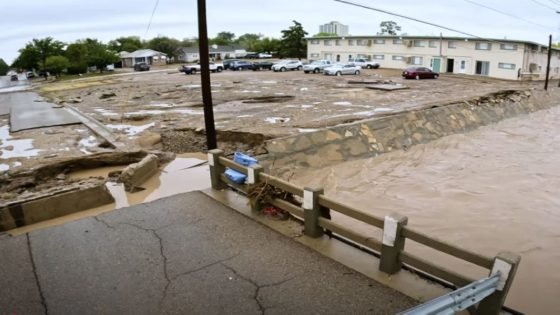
[490, 190]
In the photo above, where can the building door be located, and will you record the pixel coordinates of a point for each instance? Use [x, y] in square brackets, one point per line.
[450, 64]
[482, 67]
[462, 66]
[337, 58]
[435, 63]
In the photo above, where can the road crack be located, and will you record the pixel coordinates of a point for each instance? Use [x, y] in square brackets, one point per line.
[258, 287]
[34, 268]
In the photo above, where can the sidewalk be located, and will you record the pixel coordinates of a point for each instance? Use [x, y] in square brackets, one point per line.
[186, 254]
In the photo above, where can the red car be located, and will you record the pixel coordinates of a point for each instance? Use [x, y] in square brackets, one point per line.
[419, 73]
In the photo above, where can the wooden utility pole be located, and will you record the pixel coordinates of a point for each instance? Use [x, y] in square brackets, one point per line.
[548, 62]
[205, 77]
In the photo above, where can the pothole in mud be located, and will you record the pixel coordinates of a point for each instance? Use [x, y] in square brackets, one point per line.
[194, 140]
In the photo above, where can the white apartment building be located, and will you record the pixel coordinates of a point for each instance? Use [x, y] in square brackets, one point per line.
[506, 59]
[334, 27]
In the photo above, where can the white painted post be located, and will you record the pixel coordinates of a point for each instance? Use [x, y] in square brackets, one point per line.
[393, 243]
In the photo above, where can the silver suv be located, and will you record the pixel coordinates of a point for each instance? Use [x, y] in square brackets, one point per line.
[317, 66]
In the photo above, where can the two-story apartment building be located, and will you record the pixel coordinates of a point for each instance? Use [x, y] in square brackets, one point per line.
[507, 59]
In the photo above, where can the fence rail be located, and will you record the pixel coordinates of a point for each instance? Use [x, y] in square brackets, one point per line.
[394, 228]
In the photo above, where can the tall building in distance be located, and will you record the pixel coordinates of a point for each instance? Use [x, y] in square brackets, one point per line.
[335, 28]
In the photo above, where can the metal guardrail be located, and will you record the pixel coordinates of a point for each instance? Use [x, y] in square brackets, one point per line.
[391, 247]
[458, 300]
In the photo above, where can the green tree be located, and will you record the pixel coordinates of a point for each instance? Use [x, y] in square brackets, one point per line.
[77, 54]
[3, 67]
[56, 64]
[28, 58]
[99, 54]
[189, 42]
[164, 44]
[293, 42]
[47, 47]
[249, 41]
[223, 39]
[389, 28]
[267, 44]
[126, 43]
[324, 34]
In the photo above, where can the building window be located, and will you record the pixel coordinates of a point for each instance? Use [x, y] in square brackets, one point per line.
[327, 42]
[509, 66]
[361, 42]
[433, 44]
[314, 55]
[398, 58]
[508, 46]
[379, 41]
[378, 57]
[337, 58]
[314, 42]
[349, 57]
[350, 42]
[416, 60]
[338, 42]
[362, 56]
[452, 44]
[397, 41]
[483, 46]
[419, 43]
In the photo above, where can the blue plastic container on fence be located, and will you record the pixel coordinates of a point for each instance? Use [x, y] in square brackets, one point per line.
[243, 159]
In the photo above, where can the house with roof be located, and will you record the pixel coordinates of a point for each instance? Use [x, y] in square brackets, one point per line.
[499, 58]
[192, 54]
[149, 56]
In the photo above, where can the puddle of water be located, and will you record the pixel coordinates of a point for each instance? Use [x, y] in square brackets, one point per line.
[244, 116]
[21, 147]
[161, 105]
[269, 82]
[274, 120]
[307, 130]
[342, 103]
[131, 130]
[383, 109]
[4, 167]
[146, 112]
[188, 111]
[105, 112]
[247, 91]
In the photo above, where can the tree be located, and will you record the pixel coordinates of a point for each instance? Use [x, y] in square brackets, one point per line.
[56, 64]
[269, 45]
[249, 41]
[98, 54]
[28, 58]
[293, 42]
[126, 43]
[77, 54]
[189, 42]
[223, 39]
[3, 67]
[47, 47]
[164, 44]
[324, 34]
[389, 28]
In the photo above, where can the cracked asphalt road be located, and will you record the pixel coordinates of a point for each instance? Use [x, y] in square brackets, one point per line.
[186, 254]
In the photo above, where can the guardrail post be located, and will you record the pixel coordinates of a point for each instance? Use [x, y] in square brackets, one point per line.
[506, 263]
[253, 173]
[393, 243]
[312, 211]
[216, 169]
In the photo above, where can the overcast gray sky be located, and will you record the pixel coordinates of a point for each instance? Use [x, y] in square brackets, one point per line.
[68, 20]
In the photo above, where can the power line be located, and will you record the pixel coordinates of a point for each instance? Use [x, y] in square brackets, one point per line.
[507, 14]
[151, 18]
[544, 5]
[407, 17]
[555, 2]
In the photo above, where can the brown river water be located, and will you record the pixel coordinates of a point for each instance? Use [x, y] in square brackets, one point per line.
[494, 189]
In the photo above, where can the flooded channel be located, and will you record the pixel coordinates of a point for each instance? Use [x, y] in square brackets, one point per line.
[490, 190]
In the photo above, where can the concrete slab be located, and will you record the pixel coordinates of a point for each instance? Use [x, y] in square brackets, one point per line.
[188, 254]
[387, 87]
[39, 115]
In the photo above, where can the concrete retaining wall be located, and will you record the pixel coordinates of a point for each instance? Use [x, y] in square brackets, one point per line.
[400, 130]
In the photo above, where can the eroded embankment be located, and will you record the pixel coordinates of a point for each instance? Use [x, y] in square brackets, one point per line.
[400, 130]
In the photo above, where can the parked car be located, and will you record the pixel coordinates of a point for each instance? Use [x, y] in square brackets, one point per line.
[228, 62]
[264, 55]
[14, 77]
[340, 69]
[241, 65]
[252, 56]
[214, 67]
[142, 66]
[29, 74]
[317, 66]
[364, 63]
[419, 73]
[262, 65]
[285, 65]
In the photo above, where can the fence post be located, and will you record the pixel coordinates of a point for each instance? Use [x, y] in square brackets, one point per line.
[393, 243]
[253, 173]
[216, 169]
[506, 263]
[312, 211]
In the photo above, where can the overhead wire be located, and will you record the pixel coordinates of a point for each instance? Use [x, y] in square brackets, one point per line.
[151, 18]
[507, 14]
[544, 5]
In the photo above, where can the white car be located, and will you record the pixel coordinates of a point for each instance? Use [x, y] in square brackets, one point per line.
[364, 63]
[316, 66]
[340, 69]
[264, 55]
[285, 65]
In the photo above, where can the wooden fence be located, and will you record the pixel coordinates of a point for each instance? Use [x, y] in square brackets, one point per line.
[395, 232]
